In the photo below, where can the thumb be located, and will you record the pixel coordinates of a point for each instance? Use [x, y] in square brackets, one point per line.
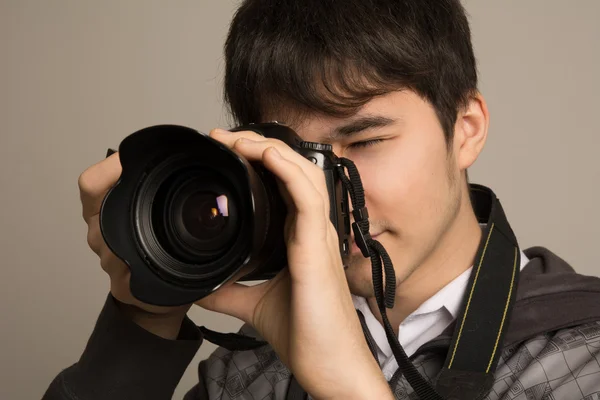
[234, 299]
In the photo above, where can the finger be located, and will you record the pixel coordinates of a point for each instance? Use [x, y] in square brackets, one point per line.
[228, 138]
[95, 182]
[94, 235]
[307, 200]
[121, 291]
[234, 140]
[234, 299]
[112, 265]
[254, 151]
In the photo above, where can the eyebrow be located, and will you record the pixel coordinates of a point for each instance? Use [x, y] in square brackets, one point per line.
[359, 125]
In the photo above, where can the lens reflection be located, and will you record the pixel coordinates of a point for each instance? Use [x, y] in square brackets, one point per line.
[205, 215]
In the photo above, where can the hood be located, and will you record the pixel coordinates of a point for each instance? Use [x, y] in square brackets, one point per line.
[551, 296]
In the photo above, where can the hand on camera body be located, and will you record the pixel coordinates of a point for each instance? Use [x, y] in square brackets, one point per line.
[305, 313]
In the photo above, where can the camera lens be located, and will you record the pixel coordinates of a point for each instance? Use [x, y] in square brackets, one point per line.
[189, 214]
[199, 215]
[205, 215]
[195, 215]
[192, 217]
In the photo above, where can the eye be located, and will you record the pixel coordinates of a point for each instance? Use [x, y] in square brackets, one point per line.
[366, 143]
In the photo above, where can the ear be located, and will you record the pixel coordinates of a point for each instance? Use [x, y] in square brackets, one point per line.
[470, 131]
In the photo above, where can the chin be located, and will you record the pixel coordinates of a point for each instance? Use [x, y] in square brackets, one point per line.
[359, 276]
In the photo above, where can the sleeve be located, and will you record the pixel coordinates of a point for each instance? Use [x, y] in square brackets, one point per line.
[124, 361]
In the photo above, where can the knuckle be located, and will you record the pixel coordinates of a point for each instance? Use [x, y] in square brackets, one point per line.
[88, 184]
[315, 202]
[297, 168]
[238, 142]
[252, 135]
[104, 263]
[84, 181]
[111, 264]
[213, 132]
[91, 240]
[278, 143]
[94, 240]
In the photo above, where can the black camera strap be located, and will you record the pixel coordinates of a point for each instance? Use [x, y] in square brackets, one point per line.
[468, 371]
[475, 348]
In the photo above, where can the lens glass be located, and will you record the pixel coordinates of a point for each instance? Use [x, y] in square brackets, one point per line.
[195, 214]
[205, 215]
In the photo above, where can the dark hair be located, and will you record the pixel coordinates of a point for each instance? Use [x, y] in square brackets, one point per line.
[334, 56]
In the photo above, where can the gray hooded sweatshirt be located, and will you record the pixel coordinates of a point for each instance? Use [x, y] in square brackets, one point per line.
[551, 351]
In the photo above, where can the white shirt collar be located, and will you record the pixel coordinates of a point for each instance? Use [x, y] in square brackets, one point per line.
[425, 323]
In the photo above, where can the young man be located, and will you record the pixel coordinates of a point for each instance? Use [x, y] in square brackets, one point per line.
[391, 85]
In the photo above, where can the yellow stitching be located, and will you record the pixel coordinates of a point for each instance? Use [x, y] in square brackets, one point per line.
[505, 311]
[470, 296]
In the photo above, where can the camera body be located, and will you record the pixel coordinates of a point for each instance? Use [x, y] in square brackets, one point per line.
[188, 214]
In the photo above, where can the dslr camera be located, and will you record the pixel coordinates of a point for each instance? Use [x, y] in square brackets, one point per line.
[188, 214]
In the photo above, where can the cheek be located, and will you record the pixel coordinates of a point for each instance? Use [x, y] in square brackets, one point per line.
[401, 170]
[405, 185]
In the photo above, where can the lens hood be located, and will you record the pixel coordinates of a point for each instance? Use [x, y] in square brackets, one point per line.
[156, 163]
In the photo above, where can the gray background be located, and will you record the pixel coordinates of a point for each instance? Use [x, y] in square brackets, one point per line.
[78, 76]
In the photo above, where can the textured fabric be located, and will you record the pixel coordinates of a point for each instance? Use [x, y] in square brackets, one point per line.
[523, 370]
[565, 365]
[553, 366]
[253, 374]
[551, 347]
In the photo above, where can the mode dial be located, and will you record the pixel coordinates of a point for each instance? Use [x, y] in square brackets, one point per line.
[316, 146]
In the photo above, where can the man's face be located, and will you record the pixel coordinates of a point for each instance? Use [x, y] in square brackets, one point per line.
[412, 185]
